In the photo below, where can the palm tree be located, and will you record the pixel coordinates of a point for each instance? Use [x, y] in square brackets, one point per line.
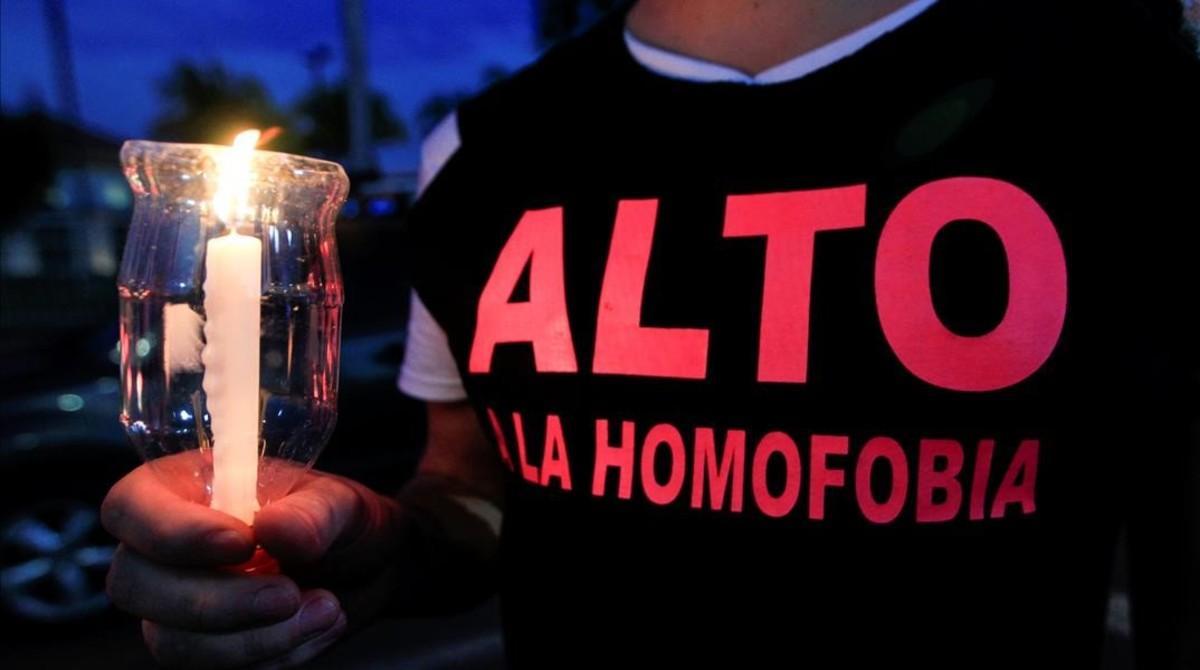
[324, 121]
[207, 103]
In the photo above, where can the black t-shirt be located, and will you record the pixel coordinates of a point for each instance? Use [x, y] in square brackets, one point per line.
[866, 368]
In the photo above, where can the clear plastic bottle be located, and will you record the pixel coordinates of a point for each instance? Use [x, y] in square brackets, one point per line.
[290, 207]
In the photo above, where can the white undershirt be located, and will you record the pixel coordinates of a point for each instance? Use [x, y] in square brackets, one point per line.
[429, 372]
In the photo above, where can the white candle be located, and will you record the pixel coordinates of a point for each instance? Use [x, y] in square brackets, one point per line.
[232, 306]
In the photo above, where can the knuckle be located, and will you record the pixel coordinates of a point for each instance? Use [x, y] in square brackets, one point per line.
[150, 637]
[314, 517]
[119, 584]
[197, 608]
[181, 543]
[260, 643]
[113, 511]
[167, 647]
[181, 649]
[172, 544]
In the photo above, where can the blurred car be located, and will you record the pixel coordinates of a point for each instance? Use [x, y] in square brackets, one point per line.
[60, 450]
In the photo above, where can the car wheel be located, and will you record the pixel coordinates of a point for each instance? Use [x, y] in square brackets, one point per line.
[53, 559]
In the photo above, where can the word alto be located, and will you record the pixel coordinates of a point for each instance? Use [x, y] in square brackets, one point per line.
[791, 221]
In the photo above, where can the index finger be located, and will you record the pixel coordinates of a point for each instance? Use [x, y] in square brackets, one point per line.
[142, 512]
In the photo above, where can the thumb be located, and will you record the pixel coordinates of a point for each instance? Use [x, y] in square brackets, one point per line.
[324, 513]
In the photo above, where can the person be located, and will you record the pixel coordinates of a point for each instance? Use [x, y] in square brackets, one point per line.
[759, 332]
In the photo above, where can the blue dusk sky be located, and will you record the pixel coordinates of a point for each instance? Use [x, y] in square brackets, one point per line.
[122, 48]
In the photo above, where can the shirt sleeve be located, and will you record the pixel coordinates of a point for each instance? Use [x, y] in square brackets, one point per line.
[429, 372]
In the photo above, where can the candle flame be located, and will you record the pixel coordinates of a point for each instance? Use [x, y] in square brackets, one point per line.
[233, 185]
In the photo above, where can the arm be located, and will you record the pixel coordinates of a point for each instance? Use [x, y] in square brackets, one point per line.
[454, 509]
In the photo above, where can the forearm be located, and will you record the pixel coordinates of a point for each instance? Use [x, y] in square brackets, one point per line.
[438, 537]
[421, 552]
[449, 539]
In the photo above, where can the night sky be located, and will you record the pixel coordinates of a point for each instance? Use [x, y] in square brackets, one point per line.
[122, 48]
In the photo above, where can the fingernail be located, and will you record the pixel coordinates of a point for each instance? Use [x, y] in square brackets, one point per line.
[227, 540]
[274, 601]
[317, 616]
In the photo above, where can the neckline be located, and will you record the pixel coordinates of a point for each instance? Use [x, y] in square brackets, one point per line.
[674, 67]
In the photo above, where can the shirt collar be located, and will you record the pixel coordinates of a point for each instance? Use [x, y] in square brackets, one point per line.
[678, 66]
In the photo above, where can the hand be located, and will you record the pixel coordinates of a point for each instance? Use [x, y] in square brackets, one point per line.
[330, 532]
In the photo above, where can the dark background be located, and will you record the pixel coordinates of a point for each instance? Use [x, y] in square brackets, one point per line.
[77, 77]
